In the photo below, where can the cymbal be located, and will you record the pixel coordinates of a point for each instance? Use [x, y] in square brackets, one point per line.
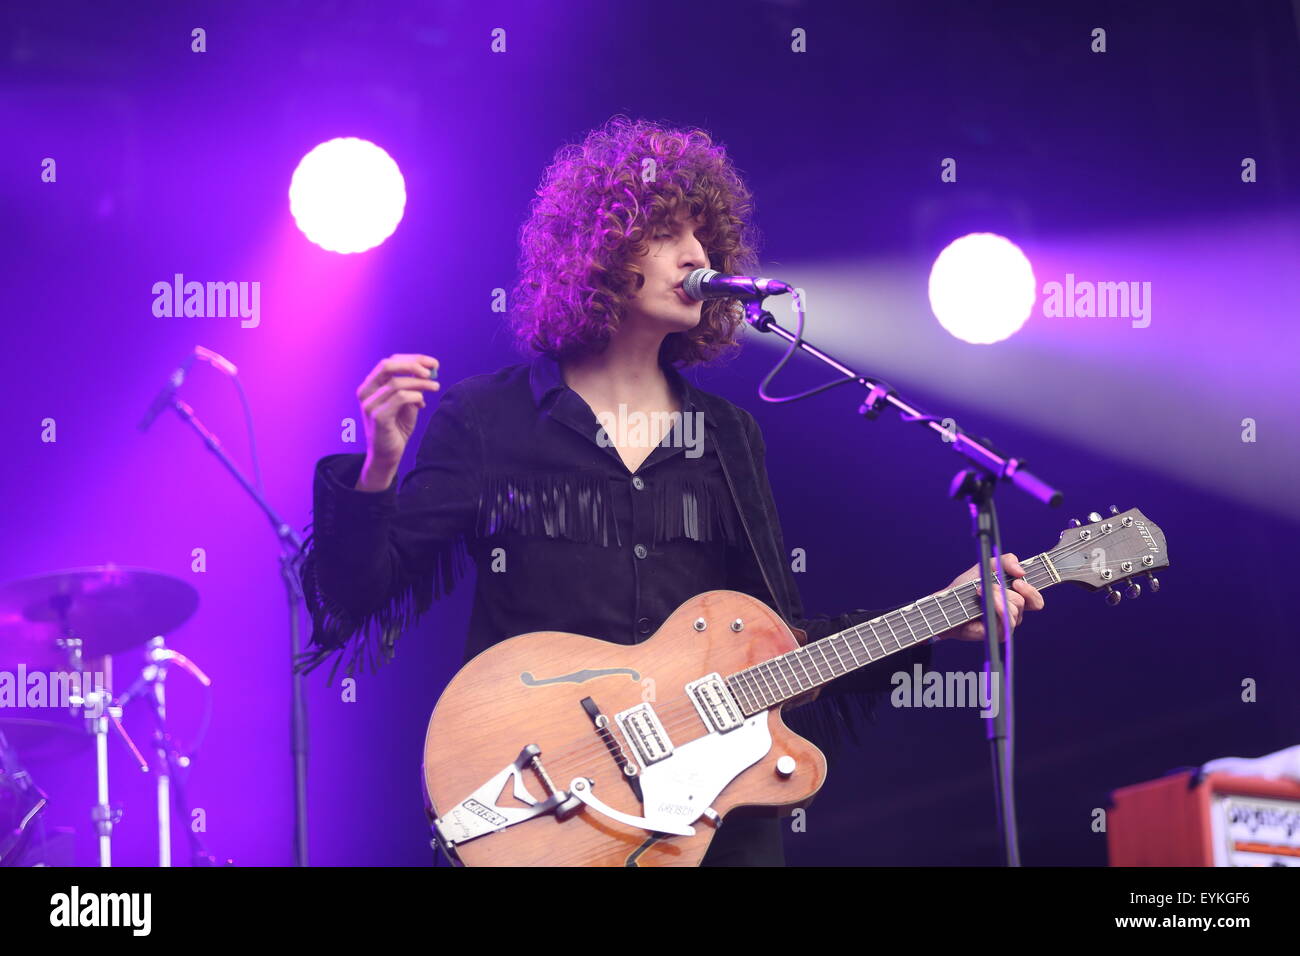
[45, 740]
[111, 609]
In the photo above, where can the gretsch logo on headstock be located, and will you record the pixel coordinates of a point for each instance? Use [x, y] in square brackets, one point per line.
[1151, 542]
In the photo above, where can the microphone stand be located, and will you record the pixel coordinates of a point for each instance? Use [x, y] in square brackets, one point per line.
[290, 546]
[974, 484]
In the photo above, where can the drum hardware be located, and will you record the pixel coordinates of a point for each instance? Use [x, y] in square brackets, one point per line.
[69, 619]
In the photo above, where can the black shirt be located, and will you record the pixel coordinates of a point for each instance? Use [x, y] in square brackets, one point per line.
[515, 471]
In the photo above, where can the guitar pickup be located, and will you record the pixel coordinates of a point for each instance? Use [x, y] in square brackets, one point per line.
[716, 706]
[647, 736]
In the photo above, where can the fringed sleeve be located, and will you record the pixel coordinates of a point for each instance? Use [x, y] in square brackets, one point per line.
[845, 706]
[375, 561]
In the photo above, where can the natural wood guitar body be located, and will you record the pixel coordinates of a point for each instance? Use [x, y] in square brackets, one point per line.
[528, 690]
[551, 690]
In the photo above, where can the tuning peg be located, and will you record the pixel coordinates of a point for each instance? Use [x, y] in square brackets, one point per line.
[1113, 597]
[1114, 510]
[1073, 523]
[1153, 582]
[1093, 516]
[1133, 591]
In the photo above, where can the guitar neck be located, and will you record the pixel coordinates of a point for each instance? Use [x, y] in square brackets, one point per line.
[795, 673]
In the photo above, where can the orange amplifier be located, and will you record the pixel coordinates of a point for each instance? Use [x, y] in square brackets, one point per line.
[1218, 819]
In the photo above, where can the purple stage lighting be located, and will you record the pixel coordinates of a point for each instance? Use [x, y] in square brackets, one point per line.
[347, 195]
[982, 288]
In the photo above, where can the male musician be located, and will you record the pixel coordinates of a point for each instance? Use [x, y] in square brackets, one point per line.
[574, 526]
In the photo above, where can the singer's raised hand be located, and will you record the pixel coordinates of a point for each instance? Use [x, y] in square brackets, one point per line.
[391, 398]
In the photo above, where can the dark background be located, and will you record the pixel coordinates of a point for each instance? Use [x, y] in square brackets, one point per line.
[1116, 166]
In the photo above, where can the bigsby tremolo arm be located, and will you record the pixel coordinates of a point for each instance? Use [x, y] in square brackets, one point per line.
[478, 814]
[581, 789]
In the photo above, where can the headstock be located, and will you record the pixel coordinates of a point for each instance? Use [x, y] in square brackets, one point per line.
[1107, 551]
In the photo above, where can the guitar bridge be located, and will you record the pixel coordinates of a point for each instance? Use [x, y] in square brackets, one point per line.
[478, 814]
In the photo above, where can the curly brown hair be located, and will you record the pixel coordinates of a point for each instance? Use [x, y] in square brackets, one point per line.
[593, 210]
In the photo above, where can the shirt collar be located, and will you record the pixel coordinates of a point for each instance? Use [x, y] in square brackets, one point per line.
[546, 377]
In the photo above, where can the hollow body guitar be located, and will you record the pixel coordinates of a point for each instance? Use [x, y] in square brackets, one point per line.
[555, 749]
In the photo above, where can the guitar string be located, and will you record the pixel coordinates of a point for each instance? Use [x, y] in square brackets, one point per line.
[680, 714]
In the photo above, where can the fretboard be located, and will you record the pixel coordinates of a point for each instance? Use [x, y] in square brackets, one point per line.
[782, 678]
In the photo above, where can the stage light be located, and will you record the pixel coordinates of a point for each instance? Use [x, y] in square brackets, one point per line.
[347, 195]
[982, 288]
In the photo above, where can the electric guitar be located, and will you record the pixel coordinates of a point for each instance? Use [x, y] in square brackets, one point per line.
[555, 749]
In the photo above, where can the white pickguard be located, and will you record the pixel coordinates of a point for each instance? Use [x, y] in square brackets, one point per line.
[680, 788]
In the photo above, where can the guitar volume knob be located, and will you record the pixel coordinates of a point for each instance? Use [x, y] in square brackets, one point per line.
[785, 765]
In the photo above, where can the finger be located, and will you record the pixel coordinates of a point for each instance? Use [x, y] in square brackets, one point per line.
[399, 382]
[395, 385]
[1033, 597]
[417, 366]
[1015, 614]
[387, 410]
[415, 359]
[1012, 564]
[381, 398]
[1017, 607]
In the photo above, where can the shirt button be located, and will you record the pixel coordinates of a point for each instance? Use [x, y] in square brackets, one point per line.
[643, 625]
[637, 483]
[640, 551]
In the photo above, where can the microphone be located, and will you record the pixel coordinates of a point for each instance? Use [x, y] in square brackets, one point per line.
[710, 284]
[164, 397]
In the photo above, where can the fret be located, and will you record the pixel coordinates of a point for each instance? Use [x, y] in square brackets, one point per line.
[831, 661]
[736, 685]
[872, 625]
[903, 613]
[821, 650]
[843, 669]
[898, 645]
[885, 618]
[925, 620]
[848, 646]
[774, 665]
[943, 612]
[755, 693]
[752, 691]
[770, 672]
[767, 684]
[792, 674]
[798, 659]
[791, 658]
[929, 628]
